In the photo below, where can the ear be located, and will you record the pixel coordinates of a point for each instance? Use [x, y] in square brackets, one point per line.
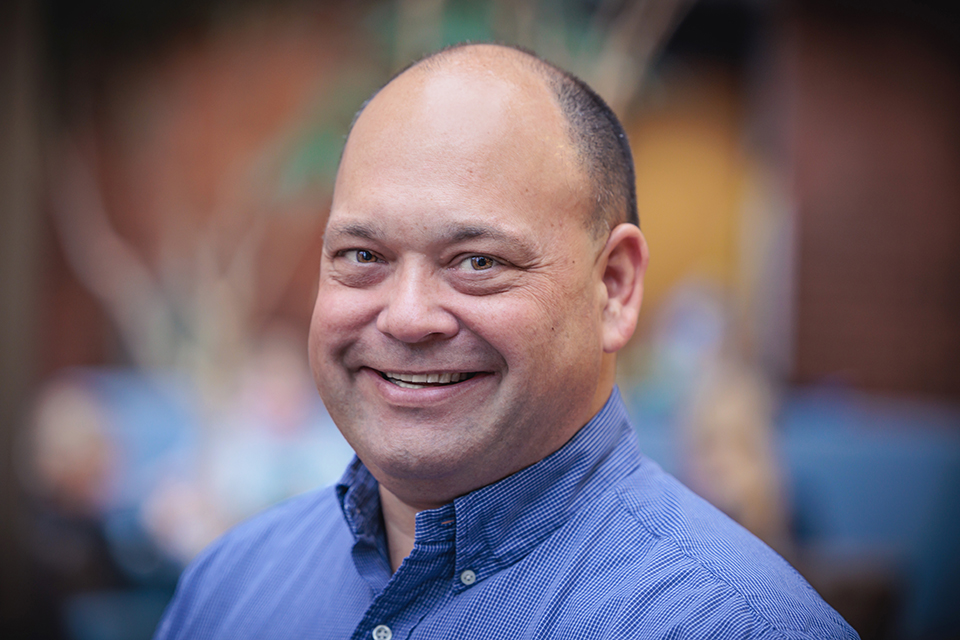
[624, 263]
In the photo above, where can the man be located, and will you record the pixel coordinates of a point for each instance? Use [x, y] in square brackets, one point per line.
[482, 265]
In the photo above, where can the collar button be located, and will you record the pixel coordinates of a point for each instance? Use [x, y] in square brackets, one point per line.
[468, 577]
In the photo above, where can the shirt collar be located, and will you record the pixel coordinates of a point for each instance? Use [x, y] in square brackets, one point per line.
[497, 525]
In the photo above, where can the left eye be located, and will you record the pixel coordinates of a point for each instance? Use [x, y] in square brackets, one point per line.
[478, 263]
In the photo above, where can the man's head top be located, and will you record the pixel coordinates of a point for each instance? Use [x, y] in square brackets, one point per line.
[598, 138]
[475, 281]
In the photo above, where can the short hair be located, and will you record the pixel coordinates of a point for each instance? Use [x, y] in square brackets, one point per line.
[598, 137]
[603, 147]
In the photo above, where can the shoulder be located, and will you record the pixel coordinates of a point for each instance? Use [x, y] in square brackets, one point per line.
[272, 552]
[709, 574]
[282, 527]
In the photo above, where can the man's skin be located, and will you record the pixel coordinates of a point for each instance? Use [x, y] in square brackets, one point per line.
[460, 242]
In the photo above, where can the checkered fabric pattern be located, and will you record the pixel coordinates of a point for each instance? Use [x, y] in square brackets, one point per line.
[594, 541]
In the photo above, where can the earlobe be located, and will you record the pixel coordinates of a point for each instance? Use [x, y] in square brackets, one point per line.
[624, 265]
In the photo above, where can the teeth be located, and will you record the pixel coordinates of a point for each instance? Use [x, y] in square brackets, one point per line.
[417, 380]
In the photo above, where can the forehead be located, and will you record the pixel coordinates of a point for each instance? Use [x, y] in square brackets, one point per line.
[459, 138]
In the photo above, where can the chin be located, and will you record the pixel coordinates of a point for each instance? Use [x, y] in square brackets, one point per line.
[442, 464]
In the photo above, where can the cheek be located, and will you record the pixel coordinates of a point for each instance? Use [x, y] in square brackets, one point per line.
[315, 340]
[334, 327]
[339, 309]
[534, 326]
[339, 315]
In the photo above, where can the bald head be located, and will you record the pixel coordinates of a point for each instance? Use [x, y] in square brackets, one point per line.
[589, 131]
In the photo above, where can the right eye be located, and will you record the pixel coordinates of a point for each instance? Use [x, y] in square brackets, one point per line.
[363, 256]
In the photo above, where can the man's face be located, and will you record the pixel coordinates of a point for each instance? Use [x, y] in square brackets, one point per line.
[456, 334]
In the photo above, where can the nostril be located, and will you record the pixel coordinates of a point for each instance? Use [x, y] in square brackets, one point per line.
[414, 308]
[417, 325]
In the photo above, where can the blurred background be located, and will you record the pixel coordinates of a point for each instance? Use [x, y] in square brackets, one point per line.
[166, 171]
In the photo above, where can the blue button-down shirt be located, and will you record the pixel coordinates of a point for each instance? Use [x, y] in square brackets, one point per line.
[593, 541]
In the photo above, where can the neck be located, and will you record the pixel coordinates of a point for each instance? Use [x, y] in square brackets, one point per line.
[608, 378]
[400, 523]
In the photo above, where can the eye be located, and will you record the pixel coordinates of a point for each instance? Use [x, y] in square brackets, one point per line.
[363, 256]
[478, 263]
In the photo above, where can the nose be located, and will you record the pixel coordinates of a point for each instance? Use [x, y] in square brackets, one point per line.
[413, 311]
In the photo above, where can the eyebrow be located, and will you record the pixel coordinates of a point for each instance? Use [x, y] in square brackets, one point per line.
[451, 234]
[457, 233]
[355, 230]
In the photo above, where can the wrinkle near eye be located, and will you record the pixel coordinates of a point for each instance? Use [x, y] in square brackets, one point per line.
[356, 268]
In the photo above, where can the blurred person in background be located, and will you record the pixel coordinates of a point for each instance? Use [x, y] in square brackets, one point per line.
[482, 265]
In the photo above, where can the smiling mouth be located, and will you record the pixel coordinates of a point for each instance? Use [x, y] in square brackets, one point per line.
[425, 380]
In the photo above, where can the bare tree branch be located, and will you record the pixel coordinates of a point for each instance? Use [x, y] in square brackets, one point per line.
[104, 262]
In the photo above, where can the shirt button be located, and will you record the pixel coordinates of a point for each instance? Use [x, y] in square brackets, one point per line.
[468, 577]
[382, 632]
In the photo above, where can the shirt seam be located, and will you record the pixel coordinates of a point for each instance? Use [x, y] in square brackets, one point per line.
[659, 536]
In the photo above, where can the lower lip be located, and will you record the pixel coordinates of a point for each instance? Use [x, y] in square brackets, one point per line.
[402, 396]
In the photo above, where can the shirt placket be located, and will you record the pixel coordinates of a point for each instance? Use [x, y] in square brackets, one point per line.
[420, 585]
